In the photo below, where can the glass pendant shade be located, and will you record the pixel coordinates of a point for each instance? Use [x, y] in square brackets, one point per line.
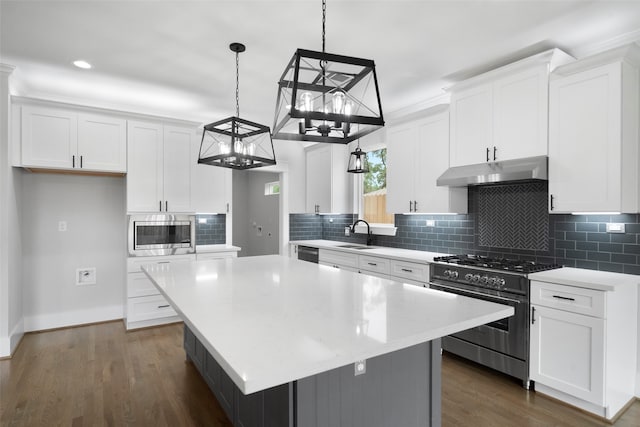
[236, 143]
[358, 162]
[324, 97]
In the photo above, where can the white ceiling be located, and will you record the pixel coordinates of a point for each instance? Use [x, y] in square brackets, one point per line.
[172, 58]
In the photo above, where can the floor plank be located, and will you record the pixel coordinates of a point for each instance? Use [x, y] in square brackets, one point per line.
[100, 375]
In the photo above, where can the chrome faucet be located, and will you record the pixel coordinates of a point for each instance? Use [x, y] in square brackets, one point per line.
[353, 230]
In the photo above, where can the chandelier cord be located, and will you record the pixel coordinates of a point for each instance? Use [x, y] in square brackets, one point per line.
[237, 85]
[324, 20]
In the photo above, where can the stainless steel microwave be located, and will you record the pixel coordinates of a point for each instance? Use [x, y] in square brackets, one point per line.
[161, 234]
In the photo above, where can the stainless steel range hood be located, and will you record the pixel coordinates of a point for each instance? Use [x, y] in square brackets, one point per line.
[490, 173]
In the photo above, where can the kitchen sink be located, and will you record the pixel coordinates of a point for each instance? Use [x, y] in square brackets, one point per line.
[359, 247]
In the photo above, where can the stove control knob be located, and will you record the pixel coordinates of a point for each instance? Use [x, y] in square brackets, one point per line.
[468, 277]
[493, 282]
[501, 282]
[453, 274]
[475, 278]
[447, 273]
[484, 280]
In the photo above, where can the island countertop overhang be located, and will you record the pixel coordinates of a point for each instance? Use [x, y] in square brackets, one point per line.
[270, 320]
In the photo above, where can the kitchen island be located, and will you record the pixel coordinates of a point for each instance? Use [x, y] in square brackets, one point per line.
[283, 342]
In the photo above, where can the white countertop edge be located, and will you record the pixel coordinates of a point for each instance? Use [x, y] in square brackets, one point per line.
[584, 278]
[216, 248]
[399, 254]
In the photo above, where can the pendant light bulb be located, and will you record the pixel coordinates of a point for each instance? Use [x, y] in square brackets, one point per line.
[306, 101]
[338, 101]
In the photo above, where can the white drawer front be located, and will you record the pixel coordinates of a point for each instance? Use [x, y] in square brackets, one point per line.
[410, 270]
[147, 308]
[139, 285]
[134, 263]
[216, 255]
[329, 257]
[569, 298]
[375, 264]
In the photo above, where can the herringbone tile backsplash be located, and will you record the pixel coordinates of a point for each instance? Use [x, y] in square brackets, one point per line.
[513, 216]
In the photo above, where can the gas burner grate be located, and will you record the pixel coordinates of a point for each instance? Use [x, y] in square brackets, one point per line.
[505, 264]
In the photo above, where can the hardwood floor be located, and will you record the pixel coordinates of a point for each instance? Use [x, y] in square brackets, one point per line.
[99, 375]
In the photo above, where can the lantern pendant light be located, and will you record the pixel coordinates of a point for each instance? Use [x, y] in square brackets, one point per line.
[358, 162]
[323, 97]
[235, 142]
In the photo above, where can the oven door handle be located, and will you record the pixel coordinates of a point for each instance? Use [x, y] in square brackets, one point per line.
[480, 294]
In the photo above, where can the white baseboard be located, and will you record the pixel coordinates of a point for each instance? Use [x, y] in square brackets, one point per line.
[72, 318]
[9, 343]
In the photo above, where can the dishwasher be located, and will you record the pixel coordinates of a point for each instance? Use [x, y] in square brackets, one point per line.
[307, 253]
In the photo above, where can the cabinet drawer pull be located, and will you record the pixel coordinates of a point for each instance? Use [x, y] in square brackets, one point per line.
[336, 266]
[564, 298]
[408, 270]
[164, 306]
[372, 263]
[163, 262]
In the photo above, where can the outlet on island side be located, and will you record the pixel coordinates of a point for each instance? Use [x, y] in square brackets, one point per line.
[360, 367]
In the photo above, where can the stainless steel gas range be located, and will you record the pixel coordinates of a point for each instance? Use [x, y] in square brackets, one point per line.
[501, 345]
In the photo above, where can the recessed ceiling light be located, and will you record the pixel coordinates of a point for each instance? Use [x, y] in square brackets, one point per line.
[82, 64]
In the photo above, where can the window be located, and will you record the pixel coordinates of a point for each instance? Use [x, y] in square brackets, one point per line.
[272, 188]
[374, 190]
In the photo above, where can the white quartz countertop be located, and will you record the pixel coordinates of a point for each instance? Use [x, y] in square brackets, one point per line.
[270, 320]
[216, 248]
[591, 279]
[395, 253]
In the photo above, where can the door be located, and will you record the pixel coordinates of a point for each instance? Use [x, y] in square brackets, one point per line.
[102, 143]
[567, 353]
[49, 137]
[471, 125]
[177, 164]
[585, 141]
[145, 163]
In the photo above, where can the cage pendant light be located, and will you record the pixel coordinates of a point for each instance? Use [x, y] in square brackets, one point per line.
[358, 162]
[323, 97]
[234, 142]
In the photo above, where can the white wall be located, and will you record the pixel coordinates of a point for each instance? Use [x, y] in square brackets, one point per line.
[11, 319]
[292, 153]
[94, 209]
[240, 211]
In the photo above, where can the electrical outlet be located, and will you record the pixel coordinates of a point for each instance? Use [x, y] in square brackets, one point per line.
[431, 223]
[86, 276]
[62, 225]
[347, 231]
[360, 367]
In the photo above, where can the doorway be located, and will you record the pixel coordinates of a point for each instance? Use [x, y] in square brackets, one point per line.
[256, 212]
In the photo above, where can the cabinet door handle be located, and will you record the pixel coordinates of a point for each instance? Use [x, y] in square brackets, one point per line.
[494, 152]
[166, 206]
[227, 207]
[73, 161]
[415, 206]
[407, 270]
[533, 315]
[80, 162]
[410, 206]
[550, 202]
[160, 205]
[487, 154]
[564, 298]
[164, 306]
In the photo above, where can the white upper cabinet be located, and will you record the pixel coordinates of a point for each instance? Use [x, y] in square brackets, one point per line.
[327, 179]
[159, 172]
[593, 134]
[57, 138]
[210, 185]
[417, 154]
[502, 114]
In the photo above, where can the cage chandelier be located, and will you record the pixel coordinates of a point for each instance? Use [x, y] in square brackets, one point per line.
[324, 97]
[235, 142]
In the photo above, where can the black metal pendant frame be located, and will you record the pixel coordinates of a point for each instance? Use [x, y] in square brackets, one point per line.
[322, 75]
[222, 144]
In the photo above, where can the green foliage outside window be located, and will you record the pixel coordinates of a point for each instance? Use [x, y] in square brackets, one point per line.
[376, 178]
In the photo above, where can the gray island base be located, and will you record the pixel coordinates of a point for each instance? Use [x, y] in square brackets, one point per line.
[401, 388]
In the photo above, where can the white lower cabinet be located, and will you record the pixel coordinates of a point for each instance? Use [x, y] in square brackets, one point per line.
[145, 306]
[338, 259]
[580, 349]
